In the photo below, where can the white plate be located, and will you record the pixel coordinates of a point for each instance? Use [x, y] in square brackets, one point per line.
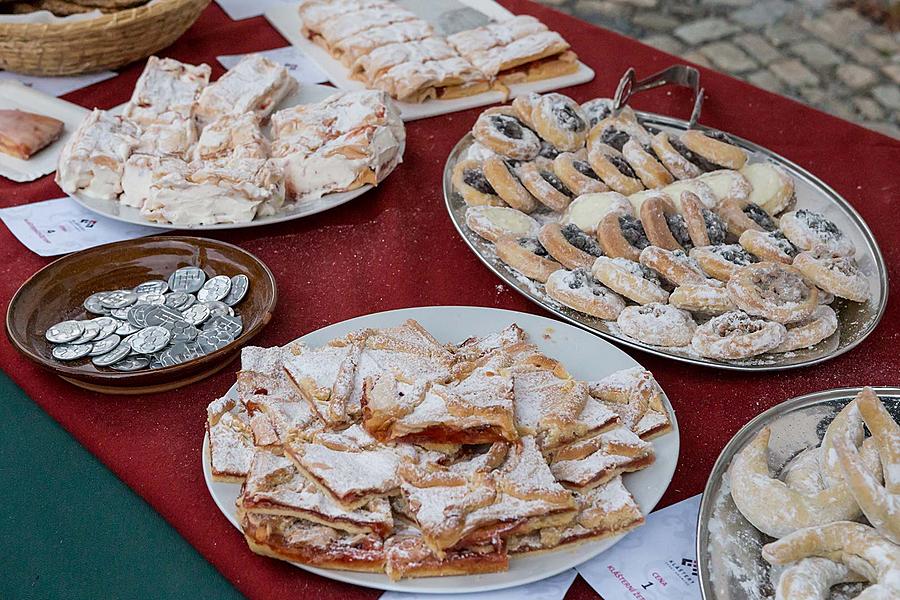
[17, 96]
[286, 19]
[307, 94]
[585, 356]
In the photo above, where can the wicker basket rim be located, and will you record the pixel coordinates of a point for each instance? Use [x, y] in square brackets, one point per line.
[105, 20]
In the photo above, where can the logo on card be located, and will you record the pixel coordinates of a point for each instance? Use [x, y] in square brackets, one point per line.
[686, 570]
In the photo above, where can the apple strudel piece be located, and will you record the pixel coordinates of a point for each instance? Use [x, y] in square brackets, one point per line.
[594, 461]
[324, 377]
[636, 397]
[370, 66]
[230, 440]
[256, 84]
[93, 159]
[407, 555]
[24, 134]
[274, 420]
[262, 372]
[416, 81]
[353, 48]
[353, 22]
[274, 486]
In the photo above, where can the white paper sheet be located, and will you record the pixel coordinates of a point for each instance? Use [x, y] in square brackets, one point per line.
[303, 68]
[657, 561]
[244, 9]
[60, 226]
[552, 588]
[58, 86]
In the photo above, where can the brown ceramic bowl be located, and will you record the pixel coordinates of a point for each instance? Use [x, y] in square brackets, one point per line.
[56, 292]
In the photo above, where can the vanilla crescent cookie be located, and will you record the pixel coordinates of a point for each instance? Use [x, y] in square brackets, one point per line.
[838, 275]
[771, 186]
[495, 222]
[808, 230]
[821, 324]
[709, 298]
[666, 150]
[714, 147]
[577, 174]
[774, 291]
[468, 179]
[612, 168]
[704, 226]
[665, 227]
[674, 266]
[501, 175]
[722, 260]
[649, 170]
[587, 210]
[501, 130]
[741, 215]
[622, 236]
[768, 245]
[735, 335]
[657, 324]
[527, 256]
[538, 177]
[630, 279]
[578, 290]
[858, 546]
[560, 120]
[569, 245]
[812, 579]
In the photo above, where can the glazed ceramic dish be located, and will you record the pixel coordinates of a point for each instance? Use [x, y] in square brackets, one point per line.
[856, 321]
[585, 356]
[57, 291]
[728, 546]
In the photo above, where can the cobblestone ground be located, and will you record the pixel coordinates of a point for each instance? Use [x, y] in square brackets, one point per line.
[827, 57]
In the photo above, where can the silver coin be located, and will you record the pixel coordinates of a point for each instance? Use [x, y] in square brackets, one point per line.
[165, 358]
[196, 314]
[151, 298]
[217, 309]
[239, 286]
[156, 286]
[126, 328]
[131, 363]
[91, 331]
[108, 326]
[160, 314]
[182, 352]
[65, 331]
[187, 279]
[150, 340]
[155, 361]
[118, 299]
[214, 339]
[92, 304]
[182, 331]
[179, 300]
[137, 314]
[122, 350]
[105, 345]
[230, 325]
[120, 313]
[214, 289]
[71, 351]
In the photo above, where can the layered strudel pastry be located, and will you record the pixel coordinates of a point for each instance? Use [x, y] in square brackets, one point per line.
[594, 461]
[231, 447]
[408, 555]
[351, 49]
[93, 159]
[635, 396]
[24, 134]
[256, 84]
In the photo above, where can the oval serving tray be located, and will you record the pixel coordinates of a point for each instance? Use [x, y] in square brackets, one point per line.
[728, 546]
[855, 321]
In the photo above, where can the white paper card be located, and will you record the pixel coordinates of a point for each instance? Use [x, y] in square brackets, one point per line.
[657, 561]
[60, 226]
[552, 588]
[244, 9]
[304, 69]
[58, 86]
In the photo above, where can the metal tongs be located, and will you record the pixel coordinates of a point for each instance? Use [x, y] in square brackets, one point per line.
[681, 75]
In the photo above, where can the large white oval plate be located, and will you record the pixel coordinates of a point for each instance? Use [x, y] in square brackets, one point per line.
[585, 356]
[307, 94]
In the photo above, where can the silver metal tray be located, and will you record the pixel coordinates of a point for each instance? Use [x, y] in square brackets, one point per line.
[856, 321]
[728, 546]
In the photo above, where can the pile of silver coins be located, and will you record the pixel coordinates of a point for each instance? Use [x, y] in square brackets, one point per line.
[156, 324]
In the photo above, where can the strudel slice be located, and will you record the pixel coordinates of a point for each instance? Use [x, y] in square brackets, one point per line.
[308, 543]
[165, 90]
[416, 81]
[316, 13]
[351, 23]
[408, 555]
[24, 134]
[274, 420]
[230, 440]
[324, 377]
[636, 397]
[603, 511]
[351, 49]
[256, 84]
[370, 66]
[93, 159]
[274, 486]
[594, 461]
[262, 372]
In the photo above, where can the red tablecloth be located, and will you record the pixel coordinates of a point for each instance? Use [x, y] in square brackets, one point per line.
[395, 247]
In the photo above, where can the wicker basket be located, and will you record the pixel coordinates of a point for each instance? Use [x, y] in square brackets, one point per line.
[107, 42]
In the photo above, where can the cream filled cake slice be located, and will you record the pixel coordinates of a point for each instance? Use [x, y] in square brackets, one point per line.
[493, 35]
[141, 170]
[255, 84]
[166, 90]
[417, 81]
[93, 159]
[234, 135]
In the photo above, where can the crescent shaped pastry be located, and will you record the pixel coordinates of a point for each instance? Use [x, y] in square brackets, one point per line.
[812, 579]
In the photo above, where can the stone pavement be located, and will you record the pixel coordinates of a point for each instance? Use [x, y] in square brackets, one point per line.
[825, 56]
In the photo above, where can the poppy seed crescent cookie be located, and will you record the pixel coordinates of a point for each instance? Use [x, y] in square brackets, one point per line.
[704, 226]
[657, 324]
[501, 174]
[612, 168]
[630, 279]
[569, 245]
[579, 290]
[469, 180]
[715, 147]
[501, 130]
[736, 335]
[622, 236]
[807, 230]
[495, 222]
[774, 291]
[560, 120]
[528, 257]
[838, 275]
[538, 177]
[577, 174]
[664, 226]
[650, 171]
[588, 210]
[678, 165]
